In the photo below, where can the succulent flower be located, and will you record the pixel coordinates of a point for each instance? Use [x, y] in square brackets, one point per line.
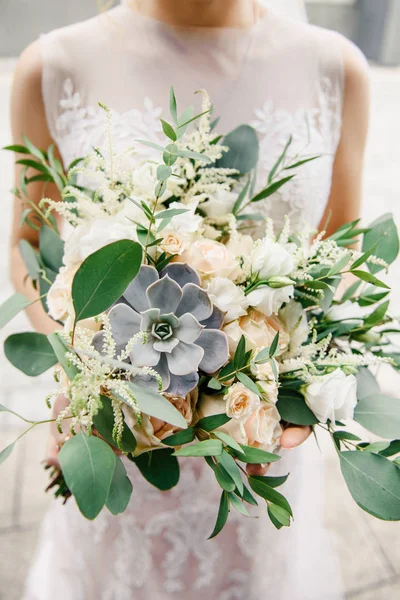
[182, 327]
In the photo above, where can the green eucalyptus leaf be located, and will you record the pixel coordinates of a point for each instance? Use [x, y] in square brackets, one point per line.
[255, 456]
[212, 422]
[6, 452]
[279, 516]
[249, 383]
[238, 505]
[88, 464]
[120, 490]
[183, 437]
[61, 350]
[163, 172]
[383, 233]
[228, 440]
[104, 423]
[223, 478]
[271, 189]
[168, 130]
[30, 258]
[172, 105]
[12, 307]
[367, 277]
[374, 483]
[379, 414]
[230, 466]
[293, 408]
[269, 494]
[205, 448]
[366, 383]
[30, 352]
[280, 160]
[159, 467]
[272, 482]
[104, 276]
[51, 248]
[222, 517]
[243, 150]
[155, 405]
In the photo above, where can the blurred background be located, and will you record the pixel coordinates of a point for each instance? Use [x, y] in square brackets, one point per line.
[369, 550]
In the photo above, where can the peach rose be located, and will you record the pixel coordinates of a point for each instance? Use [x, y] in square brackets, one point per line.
[152, 431]
[259, 429]
[259, 331]
[173, 243]
[59, 300]
[211, 259]
[240, 401]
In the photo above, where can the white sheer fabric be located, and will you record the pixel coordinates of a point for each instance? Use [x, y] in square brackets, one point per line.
[286, 78]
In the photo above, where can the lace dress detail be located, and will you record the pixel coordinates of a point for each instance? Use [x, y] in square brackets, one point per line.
[286, 79]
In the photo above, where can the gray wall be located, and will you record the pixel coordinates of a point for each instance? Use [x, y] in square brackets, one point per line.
[22, 21]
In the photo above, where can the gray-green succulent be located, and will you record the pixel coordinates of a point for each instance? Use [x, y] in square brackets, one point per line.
[181, 324]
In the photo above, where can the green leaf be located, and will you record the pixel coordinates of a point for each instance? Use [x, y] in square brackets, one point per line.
[269, 494]
[280, 160]
[365, 276]
[40, 154]
[120, 489]
[183, 437]
[153, 404]
[30, 352]
[364, 257]
[223, 478]
[17, 148]
[30, 258]
[163, 172]
[248, 497]
[243, 150]
[171, 212]
[104, 423]
[374, 483]
[379, 414]
[240, 354]
[33, 164]
[346, 435]
[245, 379]
[302, 162]
[392, 450]
[279, 516]
[274, 346]
[255, 456]
[340, 265]
[272, 482]
[151, 145]
[228, 440]
[376, 448]
[51, 248]
[349, 293]
[212, 422]
[271, 189]
[222, 517]
[159, 467]
[5, 453]
[104, 276]
[237, 503]
[172, 105]
[366, 383]
[11, 307]
[293, 408]
[214, 384]
[88, 464]
[206, 448]
[377, 316]
[194, 155]
[60, 350]
[232, 469]
[382, 232]
[241, 197]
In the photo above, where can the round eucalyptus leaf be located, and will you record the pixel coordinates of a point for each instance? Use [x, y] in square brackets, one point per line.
[88, 464]
[382, 232]
[374, 483]
[11, 307]
[51, 248]
[243, 150]
[104, 276]
[30, 352]
[293, 409]
[104, 423]
[380, 415]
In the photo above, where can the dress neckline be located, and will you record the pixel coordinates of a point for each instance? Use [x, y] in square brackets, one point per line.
[196, 31]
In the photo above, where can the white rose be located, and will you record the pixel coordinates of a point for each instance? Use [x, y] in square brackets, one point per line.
[240, 401]
[91, 236]
[187, 222]
[294, 318]
[220, 204]
[268, 300]
[228, 297]
[59, 300]
[332, 396]
[271, 259]
[240, 245]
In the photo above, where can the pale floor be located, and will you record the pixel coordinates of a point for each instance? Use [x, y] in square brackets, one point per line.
[369, 550]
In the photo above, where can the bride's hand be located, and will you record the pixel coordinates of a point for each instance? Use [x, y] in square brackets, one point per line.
[55, 438]
[291, 438]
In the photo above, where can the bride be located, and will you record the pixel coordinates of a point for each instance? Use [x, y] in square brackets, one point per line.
[284, 77]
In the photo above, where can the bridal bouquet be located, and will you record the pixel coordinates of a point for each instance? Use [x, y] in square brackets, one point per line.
[190, 325]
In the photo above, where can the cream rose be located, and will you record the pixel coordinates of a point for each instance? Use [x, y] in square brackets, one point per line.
[59, 300]
[228, 297]
[211, 259]
[153, 431]
[259, 331]
[220, 204]
[332, 396]
[240, 401]
[173, 243]
[269, 389]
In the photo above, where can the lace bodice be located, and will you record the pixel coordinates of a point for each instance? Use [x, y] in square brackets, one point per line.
[283, 77]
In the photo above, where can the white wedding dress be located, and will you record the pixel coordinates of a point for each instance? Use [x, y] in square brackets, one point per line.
[285, 78]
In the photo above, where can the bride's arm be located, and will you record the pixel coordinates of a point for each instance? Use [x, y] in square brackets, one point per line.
[28, 117]
[345, 200]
